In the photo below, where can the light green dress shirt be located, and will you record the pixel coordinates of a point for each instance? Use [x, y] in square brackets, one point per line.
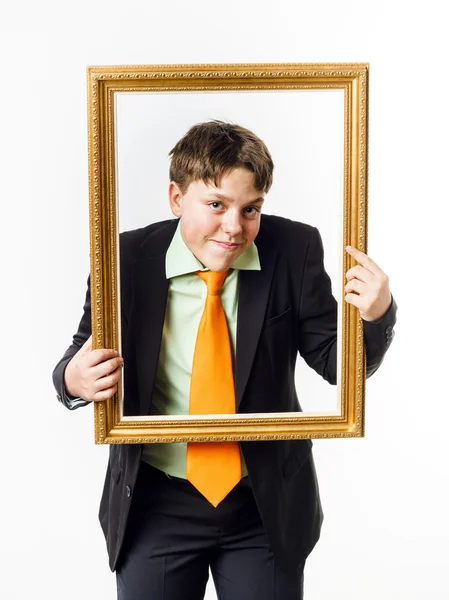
[185, 305]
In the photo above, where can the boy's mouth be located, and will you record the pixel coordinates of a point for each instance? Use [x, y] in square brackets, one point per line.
[226, 245]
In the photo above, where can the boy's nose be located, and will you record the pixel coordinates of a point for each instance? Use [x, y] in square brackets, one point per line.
[232, 226]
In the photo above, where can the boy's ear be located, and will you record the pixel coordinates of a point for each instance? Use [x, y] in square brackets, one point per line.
[175, 199]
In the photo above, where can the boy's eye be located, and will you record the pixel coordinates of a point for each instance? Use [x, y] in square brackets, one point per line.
[251, 210]
[216, 205]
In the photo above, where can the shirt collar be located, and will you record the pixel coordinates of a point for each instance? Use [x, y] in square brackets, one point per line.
[179, 260]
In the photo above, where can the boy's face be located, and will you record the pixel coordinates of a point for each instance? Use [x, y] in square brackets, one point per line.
[218, 224]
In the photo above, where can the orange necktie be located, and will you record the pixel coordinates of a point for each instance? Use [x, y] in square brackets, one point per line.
[214, 468]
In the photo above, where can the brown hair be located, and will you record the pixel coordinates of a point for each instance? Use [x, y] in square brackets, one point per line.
[212, 149]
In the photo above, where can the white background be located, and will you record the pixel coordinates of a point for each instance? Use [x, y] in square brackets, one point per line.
[385, 497]
[304, 131]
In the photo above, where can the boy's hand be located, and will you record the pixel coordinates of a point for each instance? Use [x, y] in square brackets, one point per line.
[93, 374]
[367, 288]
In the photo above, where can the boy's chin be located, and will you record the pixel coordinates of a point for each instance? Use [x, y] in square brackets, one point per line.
[218, 261]
[217, 264]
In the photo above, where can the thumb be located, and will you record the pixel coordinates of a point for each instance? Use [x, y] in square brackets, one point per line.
[87, 346]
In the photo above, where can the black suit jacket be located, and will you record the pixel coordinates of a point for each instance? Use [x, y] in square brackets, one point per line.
[284, 308]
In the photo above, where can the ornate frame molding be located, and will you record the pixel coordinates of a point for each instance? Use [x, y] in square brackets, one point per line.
[102, 83]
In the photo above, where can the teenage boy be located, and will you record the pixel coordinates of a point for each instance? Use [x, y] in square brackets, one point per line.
[215, 306]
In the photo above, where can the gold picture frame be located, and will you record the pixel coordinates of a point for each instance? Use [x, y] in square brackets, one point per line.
[104, 84]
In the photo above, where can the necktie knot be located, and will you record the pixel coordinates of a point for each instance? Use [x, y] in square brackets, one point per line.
[213, 280]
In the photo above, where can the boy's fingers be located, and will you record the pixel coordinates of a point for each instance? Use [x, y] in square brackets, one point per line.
[110, 366]
[100, 355]
[102, 395]
[359, 272]
[354, 299]
[364, 260]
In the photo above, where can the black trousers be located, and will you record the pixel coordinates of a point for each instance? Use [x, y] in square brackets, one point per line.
[174, 535]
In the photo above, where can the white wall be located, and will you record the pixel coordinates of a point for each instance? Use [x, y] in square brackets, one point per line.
[385, 496]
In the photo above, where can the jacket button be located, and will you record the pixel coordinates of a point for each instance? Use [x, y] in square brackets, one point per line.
[128, 491]
[389, 329]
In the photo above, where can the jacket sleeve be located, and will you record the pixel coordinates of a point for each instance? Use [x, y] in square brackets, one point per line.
[81, 336]
[317, 314]
[378, 336]
[317, 336]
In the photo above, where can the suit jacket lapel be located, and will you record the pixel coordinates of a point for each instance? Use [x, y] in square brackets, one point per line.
[150, 299]
[254, 290]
